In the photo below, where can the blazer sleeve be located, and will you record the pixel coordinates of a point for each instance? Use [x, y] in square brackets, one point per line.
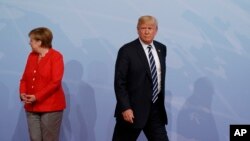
[121, 81]
[22, 86]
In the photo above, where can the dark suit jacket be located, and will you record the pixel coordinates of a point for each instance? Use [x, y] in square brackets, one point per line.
[133, 82]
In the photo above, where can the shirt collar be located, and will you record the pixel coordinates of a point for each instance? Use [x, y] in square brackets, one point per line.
[146, 45]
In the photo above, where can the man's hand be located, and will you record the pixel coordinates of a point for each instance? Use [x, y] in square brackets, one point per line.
[128, 115]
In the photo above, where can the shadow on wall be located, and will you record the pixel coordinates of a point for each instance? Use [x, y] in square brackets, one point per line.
[66, 130]
[21, 132]
[195, 121]
[80, 115]
[17, 113]
[4, 111]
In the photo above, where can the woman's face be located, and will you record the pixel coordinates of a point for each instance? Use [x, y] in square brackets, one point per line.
[35, 44]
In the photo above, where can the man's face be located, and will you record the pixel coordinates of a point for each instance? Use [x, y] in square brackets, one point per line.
[147, 32]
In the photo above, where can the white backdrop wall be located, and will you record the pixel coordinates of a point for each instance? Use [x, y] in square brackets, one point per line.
[208, 69]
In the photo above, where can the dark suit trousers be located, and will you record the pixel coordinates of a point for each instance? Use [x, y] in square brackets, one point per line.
[154, 129]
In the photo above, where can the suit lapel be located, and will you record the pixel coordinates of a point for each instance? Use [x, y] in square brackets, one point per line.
[159, 53]
[143, 57]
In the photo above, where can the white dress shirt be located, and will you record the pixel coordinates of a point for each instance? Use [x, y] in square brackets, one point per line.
[157, 61]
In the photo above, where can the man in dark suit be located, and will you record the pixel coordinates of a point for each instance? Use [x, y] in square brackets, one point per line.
[140, 86]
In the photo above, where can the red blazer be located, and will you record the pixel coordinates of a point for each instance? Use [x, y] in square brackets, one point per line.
[44, 80]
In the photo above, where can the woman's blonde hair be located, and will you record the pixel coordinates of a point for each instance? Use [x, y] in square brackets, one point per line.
[42, 34]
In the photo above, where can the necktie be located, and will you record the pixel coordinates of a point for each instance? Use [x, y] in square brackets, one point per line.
[153, 74]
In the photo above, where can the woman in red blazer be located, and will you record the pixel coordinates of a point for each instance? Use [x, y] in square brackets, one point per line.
[41, 87]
